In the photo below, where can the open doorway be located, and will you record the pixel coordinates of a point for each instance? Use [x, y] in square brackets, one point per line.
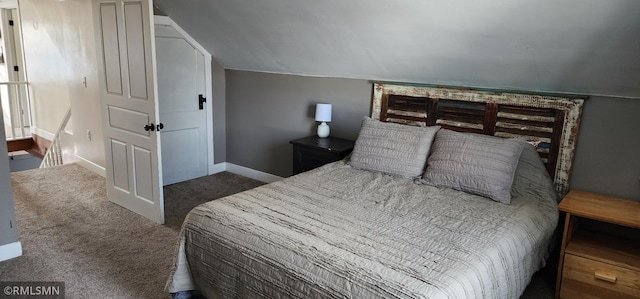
[13, 90]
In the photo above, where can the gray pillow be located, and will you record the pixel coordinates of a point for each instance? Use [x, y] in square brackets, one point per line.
[392, 148]
[532, 177]
[474, 163]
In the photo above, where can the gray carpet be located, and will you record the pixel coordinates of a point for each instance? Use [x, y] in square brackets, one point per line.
[70, 232]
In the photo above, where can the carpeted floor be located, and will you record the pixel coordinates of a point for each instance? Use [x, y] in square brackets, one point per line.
[70, 232]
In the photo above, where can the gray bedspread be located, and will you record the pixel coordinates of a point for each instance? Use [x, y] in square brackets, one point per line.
[339, 232]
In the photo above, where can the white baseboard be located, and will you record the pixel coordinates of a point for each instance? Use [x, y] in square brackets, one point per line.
[250, 173]
[99, 170]
[220, 167]
[11, 250]
[43, 133]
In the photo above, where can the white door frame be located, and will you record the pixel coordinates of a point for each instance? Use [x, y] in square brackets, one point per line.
[167, 21]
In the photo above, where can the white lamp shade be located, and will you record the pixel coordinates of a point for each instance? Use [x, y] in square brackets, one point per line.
[323, 112]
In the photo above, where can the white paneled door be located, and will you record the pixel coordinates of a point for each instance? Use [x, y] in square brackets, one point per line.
[181, 89]
[129, 102]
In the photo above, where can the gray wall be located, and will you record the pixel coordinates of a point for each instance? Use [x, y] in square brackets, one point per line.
[265, 111]
[8, 230]
[608, 153]
[219, 112]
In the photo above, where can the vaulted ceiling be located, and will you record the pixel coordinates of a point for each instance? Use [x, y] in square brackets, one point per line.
[579, 46]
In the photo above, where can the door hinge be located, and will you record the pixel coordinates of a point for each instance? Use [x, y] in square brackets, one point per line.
[16, 68]
[201, 101]
[10, 22]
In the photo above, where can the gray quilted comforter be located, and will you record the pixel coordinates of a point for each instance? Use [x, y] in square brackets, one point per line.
[339, 232]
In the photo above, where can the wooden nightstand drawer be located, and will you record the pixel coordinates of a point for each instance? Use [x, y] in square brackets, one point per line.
[585, 278]
[596, 264]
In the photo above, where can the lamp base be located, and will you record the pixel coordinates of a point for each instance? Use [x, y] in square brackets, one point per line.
[323, 130]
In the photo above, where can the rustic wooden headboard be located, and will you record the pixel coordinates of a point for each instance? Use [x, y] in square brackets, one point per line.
[552, 121]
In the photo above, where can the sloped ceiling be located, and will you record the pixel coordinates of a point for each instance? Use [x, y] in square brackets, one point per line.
[578, 46]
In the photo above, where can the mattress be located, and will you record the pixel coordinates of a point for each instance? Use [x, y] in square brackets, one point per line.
[340, 232]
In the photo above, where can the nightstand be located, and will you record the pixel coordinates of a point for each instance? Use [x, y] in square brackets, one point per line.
[595, 265]
[313, 151]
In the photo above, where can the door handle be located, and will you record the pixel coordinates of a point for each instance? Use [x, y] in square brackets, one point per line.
[201, 101]
[152, 127]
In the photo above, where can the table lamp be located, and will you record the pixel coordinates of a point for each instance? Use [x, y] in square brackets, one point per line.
[323, 115]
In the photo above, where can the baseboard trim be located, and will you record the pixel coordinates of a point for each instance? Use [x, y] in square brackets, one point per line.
[251, 173]
[220, 167]
[43, 133]
[215, 168]
[11, 250]
[97, 169]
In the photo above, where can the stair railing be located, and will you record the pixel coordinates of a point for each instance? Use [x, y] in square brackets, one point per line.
[53, 157]
[14, 98]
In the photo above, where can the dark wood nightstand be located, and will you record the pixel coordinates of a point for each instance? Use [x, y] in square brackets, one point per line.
[313, 151]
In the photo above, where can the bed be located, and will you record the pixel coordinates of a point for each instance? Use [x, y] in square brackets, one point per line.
[398, 218]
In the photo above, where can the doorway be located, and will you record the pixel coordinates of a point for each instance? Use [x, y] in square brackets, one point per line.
[13, 89]
[183, 69]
